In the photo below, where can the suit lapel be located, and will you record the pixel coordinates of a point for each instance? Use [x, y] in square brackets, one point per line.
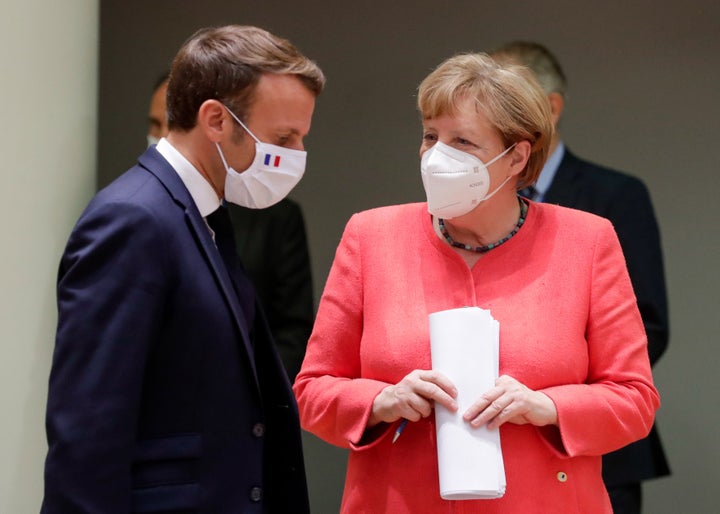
[567, 183]
[158, 166]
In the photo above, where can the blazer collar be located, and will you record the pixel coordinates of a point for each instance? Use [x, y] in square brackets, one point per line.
[156, 164]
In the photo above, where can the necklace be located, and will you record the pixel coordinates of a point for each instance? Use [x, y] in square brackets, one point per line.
[486, 248]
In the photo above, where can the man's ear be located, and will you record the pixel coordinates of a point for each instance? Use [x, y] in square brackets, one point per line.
[213, 120]
[557, 104]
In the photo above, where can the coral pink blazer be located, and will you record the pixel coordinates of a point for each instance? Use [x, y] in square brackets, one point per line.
[569, 327]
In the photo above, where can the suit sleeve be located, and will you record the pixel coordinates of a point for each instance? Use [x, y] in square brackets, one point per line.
[110, 300]
[633, 217]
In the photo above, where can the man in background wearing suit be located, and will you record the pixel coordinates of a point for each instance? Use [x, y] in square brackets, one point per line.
[166, 393]
[572, 182]
[273, 249]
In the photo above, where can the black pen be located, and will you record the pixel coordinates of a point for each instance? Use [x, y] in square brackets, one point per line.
[399, 429]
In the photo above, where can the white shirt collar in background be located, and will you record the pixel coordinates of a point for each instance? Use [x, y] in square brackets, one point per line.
[548, 172]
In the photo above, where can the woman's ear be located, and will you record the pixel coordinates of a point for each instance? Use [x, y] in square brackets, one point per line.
[519, 156]
[213, 120]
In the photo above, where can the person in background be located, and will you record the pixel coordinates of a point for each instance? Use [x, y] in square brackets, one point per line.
[273, 249]
[624, 200]
[157, 111]
[575, 380]
[166, 393]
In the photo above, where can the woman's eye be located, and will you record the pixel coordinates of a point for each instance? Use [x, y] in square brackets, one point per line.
[462, 141]
[429, 137]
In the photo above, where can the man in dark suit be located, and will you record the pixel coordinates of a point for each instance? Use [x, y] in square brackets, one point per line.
[572, 182]
[273, 248]
[166, 393]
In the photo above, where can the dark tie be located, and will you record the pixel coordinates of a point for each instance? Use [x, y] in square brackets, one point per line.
[529, 192]
[219, 222]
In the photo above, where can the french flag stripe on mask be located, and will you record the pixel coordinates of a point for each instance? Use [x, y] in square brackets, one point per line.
[275, 161]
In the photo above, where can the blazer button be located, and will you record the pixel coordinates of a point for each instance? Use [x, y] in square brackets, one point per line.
[258, 430]
[562, 476]
[256, 494]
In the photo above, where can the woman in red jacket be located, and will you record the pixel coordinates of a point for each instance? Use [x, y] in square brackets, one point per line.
[575, 380]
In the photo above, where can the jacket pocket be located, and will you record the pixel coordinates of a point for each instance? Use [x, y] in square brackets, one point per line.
[165, 474]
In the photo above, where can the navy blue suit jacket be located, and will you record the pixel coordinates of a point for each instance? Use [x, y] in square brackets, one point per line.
[625, 201]
[162, 397]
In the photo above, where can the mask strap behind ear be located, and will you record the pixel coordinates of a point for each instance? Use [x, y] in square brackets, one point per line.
[242, 124]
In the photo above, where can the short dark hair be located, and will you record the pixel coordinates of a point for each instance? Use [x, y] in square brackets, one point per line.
[225, 64]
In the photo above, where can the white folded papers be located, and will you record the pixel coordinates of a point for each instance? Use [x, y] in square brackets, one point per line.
[464, 347]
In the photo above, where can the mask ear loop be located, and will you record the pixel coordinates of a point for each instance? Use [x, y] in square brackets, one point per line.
[217, 145]
[500, 154]
[227, 168]
[487, 197]
[242, 124]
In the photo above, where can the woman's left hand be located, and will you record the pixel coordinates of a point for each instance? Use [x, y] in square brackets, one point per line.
[511, 401]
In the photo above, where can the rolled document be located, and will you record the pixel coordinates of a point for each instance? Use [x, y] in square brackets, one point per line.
[464, 345]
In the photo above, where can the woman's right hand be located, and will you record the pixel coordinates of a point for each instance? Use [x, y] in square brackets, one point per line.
[412, 398]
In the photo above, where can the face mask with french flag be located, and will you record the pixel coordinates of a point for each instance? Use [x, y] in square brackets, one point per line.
[274, 172]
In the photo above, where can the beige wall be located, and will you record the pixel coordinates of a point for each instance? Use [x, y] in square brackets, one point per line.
[48, 86]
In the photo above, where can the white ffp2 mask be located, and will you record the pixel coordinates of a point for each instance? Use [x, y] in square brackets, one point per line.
[270, 177]
[455, 182]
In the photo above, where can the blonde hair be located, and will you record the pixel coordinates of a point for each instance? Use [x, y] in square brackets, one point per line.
[507, 94]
